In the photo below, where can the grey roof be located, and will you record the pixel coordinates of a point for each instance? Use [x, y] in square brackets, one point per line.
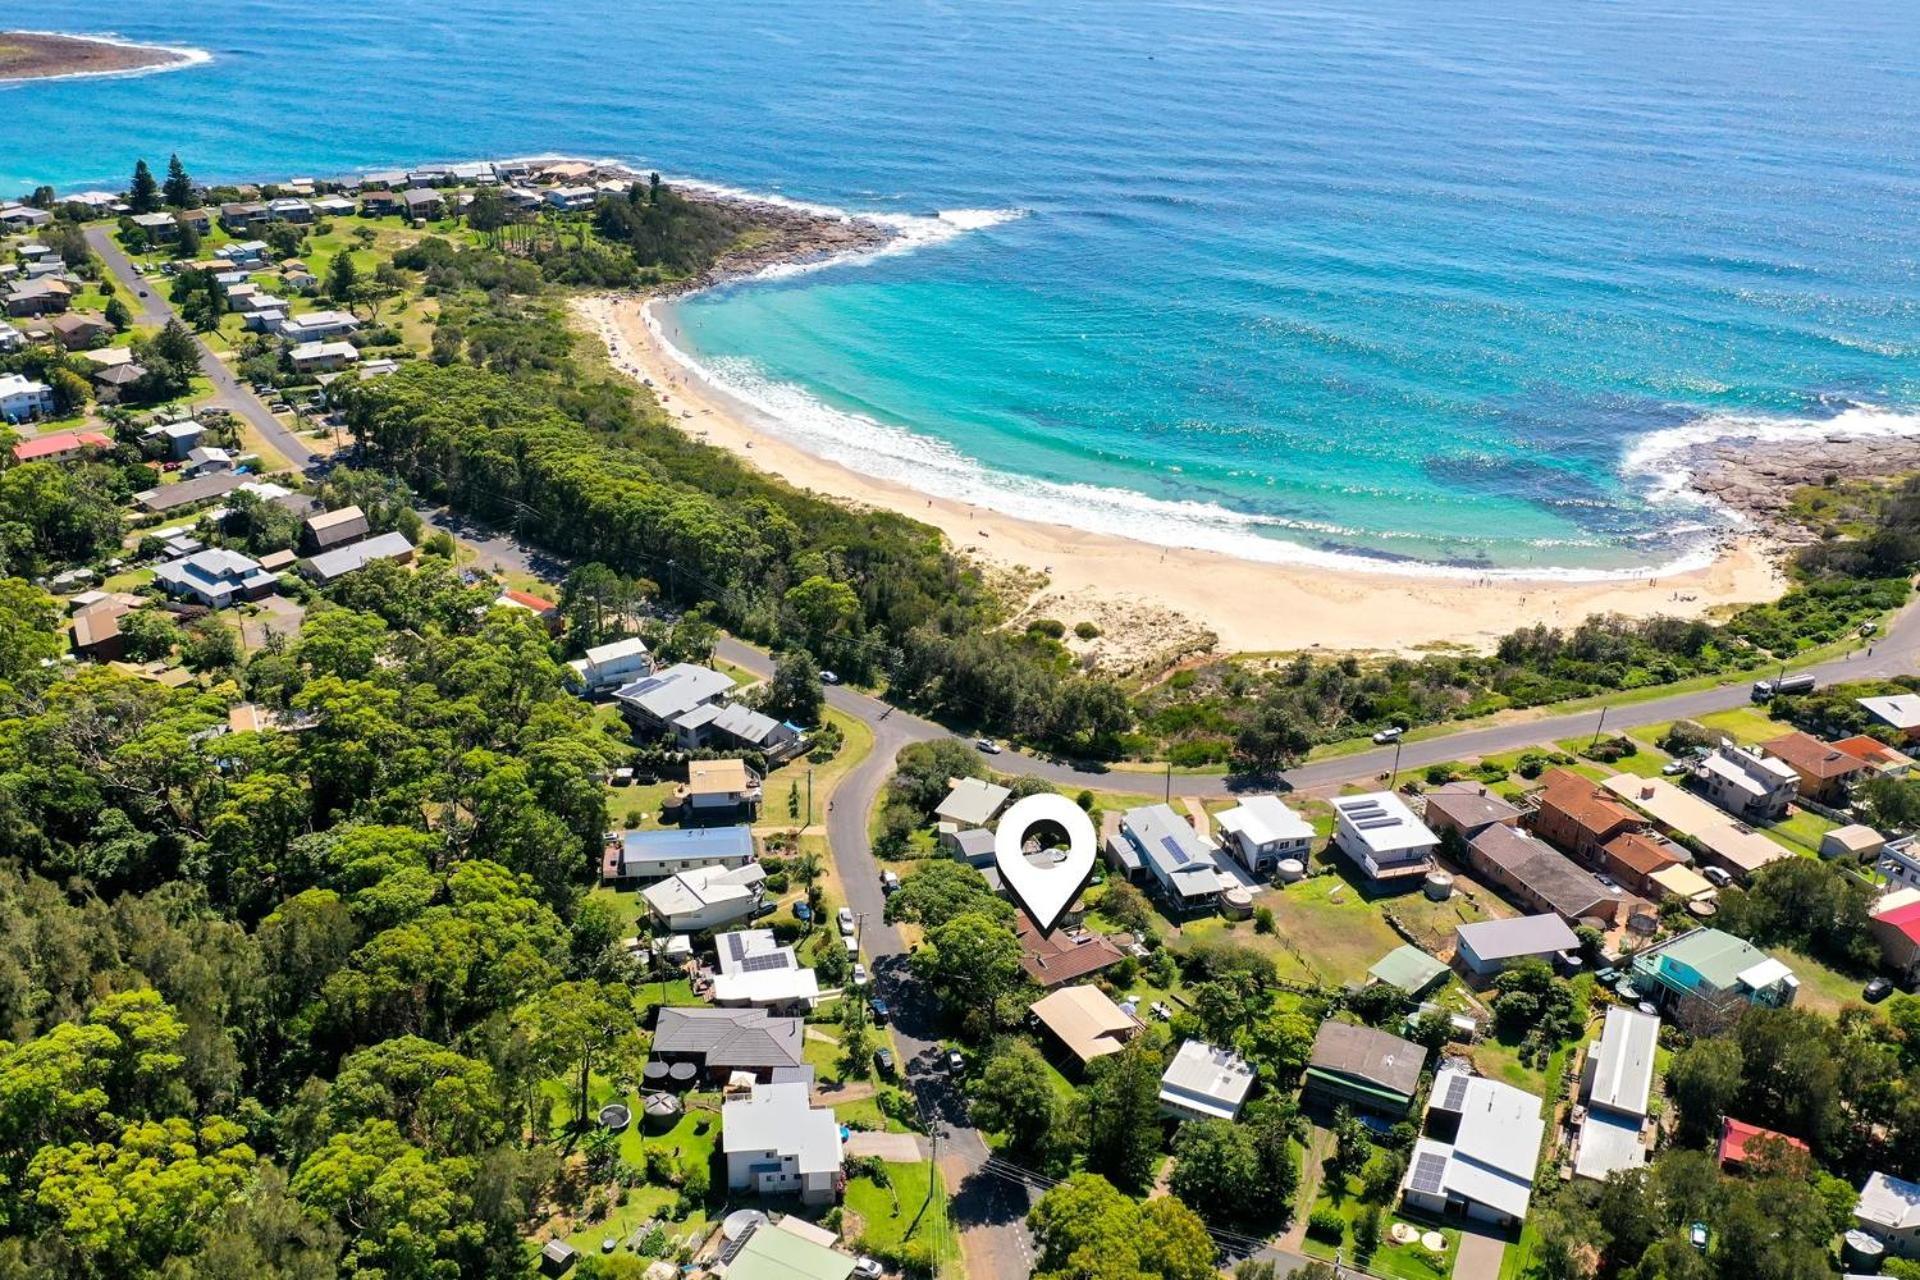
[1470, 805]
[1623, 1062]
[780, 1117]
[168, 496]
[1176, 851]
[329, 565]
[745, 723]
[1542, 869]
[1203, 1078]
[729, 1038]
[974, 842]
[1524, 936]
[973, 801]
[1608, 1143]
[1372, 1056]
[213, 571]
[1890, 1202]
[666, 695]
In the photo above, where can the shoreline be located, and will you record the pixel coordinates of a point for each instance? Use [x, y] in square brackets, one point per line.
[1181, 597]
[61, 55]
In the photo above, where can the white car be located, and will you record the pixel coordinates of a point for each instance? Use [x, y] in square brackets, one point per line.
[867, 1269]
[846, 919]
[1390, 734]
[828, 677]
[1716, 876]
[859, 975]
[986, 746]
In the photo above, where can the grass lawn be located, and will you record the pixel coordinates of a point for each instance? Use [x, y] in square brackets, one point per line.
[1746, 725]
[914, 1209]
[1823, 988]
[1326, 931]
[1801, 831]
[690, 1142]
[1403, 1262]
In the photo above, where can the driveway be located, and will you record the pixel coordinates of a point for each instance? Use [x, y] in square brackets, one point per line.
[896, 1148]
[1481, 1253]
[151, 308]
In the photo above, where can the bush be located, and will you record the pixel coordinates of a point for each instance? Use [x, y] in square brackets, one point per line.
[1263, 920]
[1366, 1233]
[1051, 628]
[777, 882]
[1327, 1224]
[1086, 631]
[1531, 765]
[1439, 774]
[634, 818]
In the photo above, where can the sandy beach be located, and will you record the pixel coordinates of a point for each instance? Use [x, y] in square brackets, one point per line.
[1168, 596]
[47, 55]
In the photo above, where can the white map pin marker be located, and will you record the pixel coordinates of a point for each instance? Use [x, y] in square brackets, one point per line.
[1044, 890]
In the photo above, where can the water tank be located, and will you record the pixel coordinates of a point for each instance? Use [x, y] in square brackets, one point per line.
[1438, 886]
[1291, 870]
[660, 1112]
[1236, 903]
[1860, 1253]
[681, 1075]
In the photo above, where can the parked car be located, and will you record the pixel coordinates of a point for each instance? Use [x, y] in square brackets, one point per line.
[880, 1010]
[1716, 876]
[1673, 768]
[859, 975]
[987, 746]
[955, 1063]
[1876, 990]
[883, 1061]
[828, 677]
[1697, 1236]
[1389, 734]
[845, 917]
[889, 881]
[867, 1269]
[851, 941]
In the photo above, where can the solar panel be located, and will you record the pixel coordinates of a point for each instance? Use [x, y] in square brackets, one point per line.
[1427, 1173]
[760, 964]
[1456, 1091]
[1174, 850]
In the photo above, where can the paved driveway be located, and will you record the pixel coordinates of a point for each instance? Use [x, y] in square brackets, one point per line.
[897, 1148]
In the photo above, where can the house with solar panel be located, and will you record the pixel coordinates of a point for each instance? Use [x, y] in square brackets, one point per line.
[1616, 1084]
[753, 970]
[1478, 1150]
[1383, 838]
[1157, 845]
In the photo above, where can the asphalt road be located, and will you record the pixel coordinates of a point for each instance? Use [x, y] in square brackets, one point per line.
[151, 307]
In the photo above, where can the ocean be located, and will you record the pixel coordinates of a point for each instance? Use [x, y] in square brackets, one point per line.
[1446, 288]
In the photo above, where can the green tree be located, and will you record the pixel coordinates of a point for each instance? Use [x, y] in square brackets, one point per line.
[143, 194]
[186, 245]
[147, 634]
[1085, 1229]
[343, 280]
[178, 188]
[1217, 1167]
[407, 1214]
[1014, 1094]
[440, 1100]
[794, 694]
[1704, 1081]
[1123, 1115]
[937, 891]
[117, 314]
[581, 1026]
[971, 962]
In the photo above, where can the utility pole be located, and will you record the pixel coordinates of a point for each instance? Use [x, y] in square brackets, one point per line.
[1597, 728]
[1393, 777]
[1169, 794]
[809, 796]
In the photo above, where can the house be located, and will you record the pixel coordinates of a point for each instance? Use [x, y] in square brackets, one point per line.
[1900, 712]
[777, 1143]
[77, 329]
[322, 357]
[610, 665]
[113, 382]
[1482, 1139]
[21, 217]
[1408, 968]
[1854, 842]
[1889, 1211]
[539, 606]
[1467, 808]
[331, 566]
[1363, 1068]
[207, 459]
[718, 791]
[1633, 858]
[96, 630]
[1065, 955]
[1680, 882]
[215, 577]
[1736, 1135]
[1879, 758]
[1705, 977]
[317, 326]
[289, 209]
[1748, 785]
[1900, 863]
[790, 1249]
[972, 802]
[738, 727]
[328, 529]
[655, 702]
[1178, 861]
[1825, 772]
[244, 217]
[376, 204]
[242, 255]
[1261, 832]
[571, 199]
[1895, 924]
[23, 398]
[1578, 817]
[1617, 1084]
[722, 1041]
[421, 203]
[706, 897]
[756, 971]
[1539, 877]
[1725, 841]
[633, 856]
[169, 497]
[159, 228]
[1204, 1083]
[1380, 835]
[11, 339]
[45, 296]
[1085, 1021]
[1485, 947]
[974, 846]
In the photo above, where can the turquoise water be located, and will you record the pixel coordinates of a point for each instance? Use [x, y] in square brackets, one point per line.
[1373, 278]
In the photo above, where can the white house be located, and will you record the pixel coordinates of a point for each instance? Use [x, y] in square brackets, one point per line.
[316, 357]
[705, 897]
[571, 199]
[610, 665]
[1748, 785]
[1204, 1083]
[1486, 947]
[1380, 835]
[1889, 1211]
[1177, 859]
[22, 398]
[777, 1143]
[1261, 832]
[317, 326]
[633, 857]
[972, 802]
[1478, 1156]
[215, 577]
[1617, 1081]
[756, 971]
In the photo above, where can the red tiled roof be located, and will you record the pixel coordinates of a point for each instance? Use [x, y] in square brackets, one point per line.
[1904, 918]
[1585, 803]
[1807, 755]
[530, 601]
[1641, 852]
[1736, 1134]
[1052, 960]
[1869, 750]
[59, 442]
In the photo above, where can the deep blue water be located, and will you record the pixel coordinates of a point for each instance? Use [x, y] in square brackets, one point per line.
[1377, 276]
